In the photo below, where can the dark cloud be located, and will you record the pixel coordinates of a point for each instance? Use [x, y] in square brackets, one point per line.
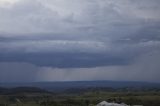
[67, 60]
[144, 68]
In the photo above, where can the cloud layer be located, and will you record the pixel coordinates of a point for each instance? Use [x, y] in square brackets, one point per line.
[80, 35]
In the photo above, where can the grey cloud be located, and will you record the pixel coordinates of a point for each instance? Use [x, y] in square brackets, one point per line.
[144, 68]
[57, 53]
[67, 54]
[17, 72]
[79, 34]
[53, 46]
[67, 17]
[66, 60]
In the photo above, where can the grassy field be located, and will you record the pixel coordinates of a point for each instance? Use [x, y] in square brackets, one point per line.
[81, 99]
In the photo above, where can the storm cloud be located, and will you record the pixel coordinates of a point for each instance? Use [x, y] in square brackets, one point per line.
[75, 36]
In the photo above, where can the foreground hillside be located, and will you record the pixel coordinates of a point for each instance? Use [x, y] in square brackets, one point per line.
[30, 96]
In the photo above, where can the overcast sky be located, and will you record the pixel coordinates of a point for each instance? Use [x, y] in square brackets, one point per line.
[70, 40]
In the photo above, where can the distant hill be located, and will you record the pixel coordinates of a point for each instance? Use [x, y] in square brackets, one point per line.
[19, 90]
[61, 86]
[2, 90]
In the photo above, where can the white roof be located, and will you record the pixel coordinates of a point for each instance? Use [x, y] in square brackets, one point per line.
[104, 103]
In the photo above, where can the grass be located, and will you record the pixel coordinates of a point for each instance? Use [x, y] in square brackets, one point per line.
[83, 99]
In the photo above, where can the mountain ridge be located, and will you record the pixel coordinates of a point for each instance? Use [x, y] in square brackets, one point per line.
[64, 85]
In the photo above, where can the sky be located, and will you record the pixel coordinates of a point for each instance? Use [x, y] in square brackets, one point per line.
[77, 40]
